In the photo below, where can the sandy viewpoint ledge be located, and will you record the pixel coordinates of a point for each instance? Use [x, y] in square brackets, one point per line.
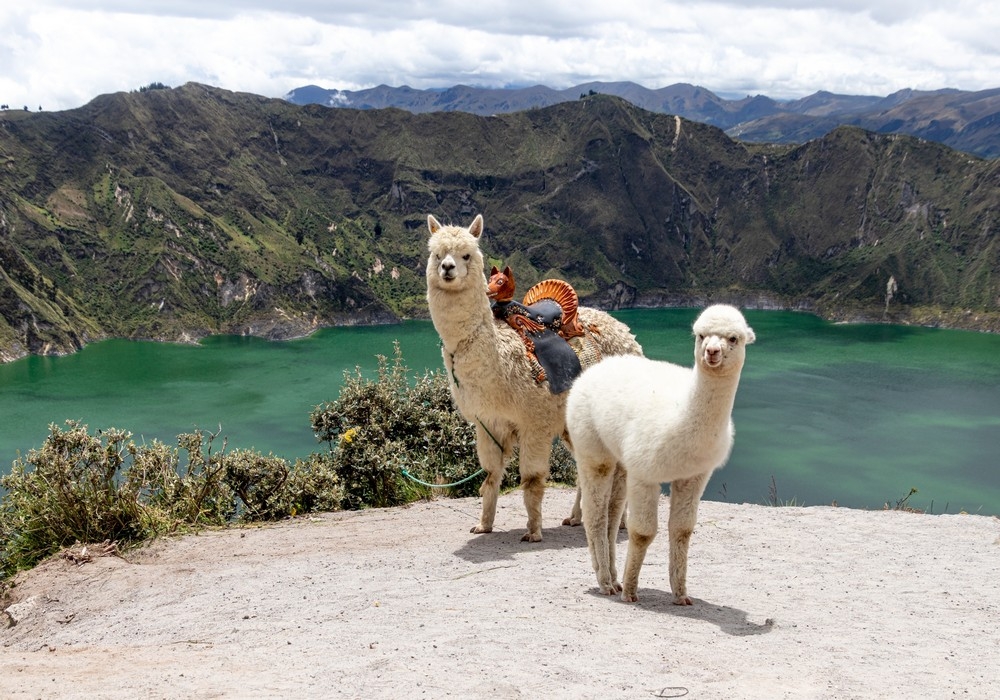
[791, 602]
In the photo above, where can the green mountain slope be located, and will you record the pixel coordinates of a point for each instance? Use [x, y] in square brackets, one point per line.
[171, 214]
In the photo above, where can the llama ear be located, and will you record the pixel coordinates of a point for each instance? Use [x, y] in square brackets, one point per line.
[432, 224]
[494, 271]
[476, 227]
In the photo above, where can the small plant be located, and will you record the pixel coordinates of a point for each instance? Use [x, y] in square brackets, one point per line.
[903, 503]
[775, 501]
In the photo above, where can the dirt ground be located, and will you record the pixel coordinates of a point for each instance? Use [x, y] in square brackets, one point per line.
[816, 602]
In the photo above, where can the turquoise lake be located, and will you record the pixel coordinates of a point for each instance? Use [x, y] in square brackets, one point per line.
[852, 414]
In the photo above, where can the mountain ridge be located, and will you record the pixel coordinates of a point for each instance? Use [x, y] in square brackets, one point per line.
[964, 120]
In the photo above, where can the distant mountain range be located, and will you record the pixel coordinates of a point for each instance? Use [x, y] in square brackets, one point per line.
[965, 121]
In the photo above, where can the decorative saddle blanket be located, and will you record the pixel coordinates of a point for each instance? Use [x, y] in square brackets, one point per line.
[547, 322]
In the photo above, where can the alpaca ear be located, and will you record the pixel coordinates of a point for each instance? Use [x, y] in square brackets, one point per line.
[750, 337]
[432, 224]
[476, 227]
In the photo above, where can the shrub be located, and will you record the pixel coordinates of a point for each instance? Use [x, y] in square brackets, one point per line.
[70, 490]
[378, 428]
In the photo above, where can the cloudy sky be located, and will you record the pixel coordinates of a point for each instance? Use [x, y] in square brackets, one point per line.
[60, 54]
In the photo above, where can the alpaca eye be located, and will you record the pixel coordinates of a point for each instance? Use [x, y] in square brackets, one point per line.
[701, 338]
[466, 256]
[733, 340]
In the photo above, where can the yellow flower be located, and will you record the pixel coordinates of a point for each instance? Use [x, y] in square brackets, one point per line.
[348, 435]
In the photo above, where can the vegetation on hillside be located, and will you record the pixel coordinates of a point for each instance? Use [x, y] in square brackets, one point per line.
[173, 213]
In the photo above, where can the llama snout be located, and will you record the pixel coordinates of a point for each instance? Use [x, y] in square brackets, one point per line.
[447, 269]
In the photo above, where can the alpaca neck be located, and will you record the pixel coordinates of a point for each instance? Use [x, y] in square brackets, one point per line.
[712, 399]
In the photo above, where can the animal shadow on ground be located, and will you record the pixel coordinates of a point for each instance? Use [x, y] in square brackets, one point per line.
[506, 545]
[732, 621]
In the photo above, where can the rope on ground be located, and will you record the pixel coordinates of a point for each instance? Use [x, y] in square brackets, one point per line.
[410, 476]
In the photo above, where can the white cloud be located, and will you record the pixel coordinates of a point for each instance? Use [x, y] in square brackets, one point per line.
[60, 54]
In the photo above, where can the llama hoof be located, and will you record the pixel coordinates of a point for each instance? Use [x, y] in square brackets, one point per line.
[532, 537]
[480, 530]
[683, 600]
[574, 522]
[610, 589]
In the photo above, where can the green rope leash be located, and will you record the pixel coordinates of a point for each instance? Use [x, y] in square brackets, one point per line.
[408, 475]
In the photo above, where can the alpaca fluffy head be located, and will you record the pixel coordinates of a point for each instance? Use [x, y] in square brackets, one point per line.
[721, 336]
[455, 262]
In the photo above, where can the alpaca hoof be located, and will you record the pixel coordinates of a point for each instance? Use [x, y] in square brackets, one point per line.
[629, 597]
[574, 522]
[683, 600]
[480, 530]
[532, 537]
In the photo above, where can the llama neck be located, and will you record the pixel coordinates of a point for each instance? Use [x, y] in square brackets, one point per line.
[460, 317]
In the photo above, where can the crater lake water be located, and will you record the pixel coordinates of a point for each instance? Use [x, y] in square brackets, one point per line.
[852, 414]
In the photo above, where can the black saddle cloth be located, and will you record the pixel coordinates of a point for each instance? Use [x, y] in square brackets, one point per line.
[557, 358]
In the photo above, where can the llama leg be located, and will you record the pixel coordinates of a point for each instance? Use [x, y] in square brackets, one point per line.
[643, 502]
[685, 495]
[534, 456]
[596, 483]
[492, 458]
[576, 516]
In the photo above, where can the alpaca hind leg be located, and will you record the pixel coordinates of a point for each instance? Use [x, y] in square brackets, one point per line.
[643, 503]
[596, 484]
[685, 494]
[534, 462]
[492, 458]
[616, 517]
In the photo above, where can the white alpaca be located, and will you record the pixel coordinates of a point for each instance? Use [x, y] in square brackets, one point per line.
[635, 424]
[491, 378]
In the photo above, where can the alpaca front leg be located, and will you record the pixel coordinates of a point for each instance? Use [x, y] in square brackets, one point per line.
[643, 504]
[534, 456]
[685, 494]
[492, 458]
[596, 484]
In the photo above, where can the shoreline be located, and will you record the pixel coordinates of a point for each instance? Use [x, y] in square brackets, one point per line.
[922, 317]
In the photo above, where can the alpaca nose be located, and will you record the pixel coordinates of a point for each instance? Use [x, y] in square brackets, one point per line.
[714, 354]
[447, 266]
